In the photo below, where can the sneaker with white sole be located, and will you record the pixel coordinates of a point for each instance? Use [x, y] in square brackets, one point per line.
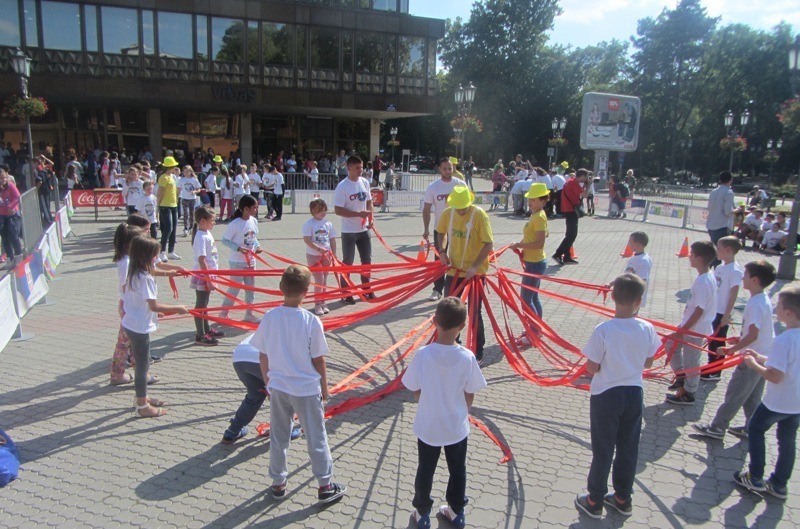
[738, 431]
[435, 296]
[706, 430]
[592, 510]
[319, 311]
[279, 491]
[457, 519]
[252, 318]
[749, 482]
[776, 490]
[331, 492]
[174, 256]
[624, 508]
[423, 521]
[163, 257]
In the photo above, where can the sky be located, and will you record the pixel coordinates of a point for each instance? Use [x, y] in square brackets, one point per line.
[587, 22]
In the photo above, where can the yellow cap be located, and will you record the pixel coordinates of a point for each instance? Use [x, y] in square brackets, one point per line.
[565, 164]
[461, 197]
[453, 160]
[217, 159]
[169, 162]
[538, 189]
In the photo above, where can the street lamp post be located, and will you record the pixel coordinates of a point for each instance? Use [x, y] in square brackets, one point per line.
[773, 154]
[22, 66]
[788, 262]
[744, 119]
[558, 126]
[464, 98]
[393, 133]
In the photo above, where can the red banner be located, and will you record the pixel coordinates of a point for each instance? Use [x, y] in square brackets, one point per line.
[85, 198]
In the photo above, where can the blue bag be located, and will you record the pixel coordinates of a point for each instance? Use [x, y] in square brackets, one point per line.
[9, 460]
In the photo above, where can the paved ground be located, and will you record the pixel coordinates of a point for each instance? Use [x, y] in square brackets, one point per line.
[87, 463]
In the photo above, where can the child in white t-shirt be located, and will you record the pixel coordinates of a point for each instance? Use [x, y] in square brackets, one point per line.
[241, 237]
[781, 402]
[123, 236]
[771, 243]
[444, 377]
[189, 187]
[292, 344]
[132, 189]
[319, 235]
[640, 264]
[148, 206]
[226, 189]
[206, 257]
[616, 354]
[254, 180]
[241, 185]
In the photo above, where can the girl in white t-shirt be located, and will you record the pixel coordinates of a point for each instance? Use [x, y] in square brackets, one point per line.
[241, 238]
[122, 243]
[225, 196]
[141, 306]
[132, 190]
[189, 187]
[241, 185]
[320, 238]
[206, 257]
[210, 183]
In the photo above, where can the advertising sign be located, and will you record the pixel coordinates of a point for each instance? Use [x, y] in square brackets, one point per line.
[610, 122]
[31, 283]
[8, 315]
[62, 216]
[50, 250]
[85, 198]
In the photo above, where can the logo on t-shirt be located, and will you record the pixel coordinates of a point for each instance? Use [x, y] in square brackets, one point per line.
[249, 239]
[189, 188]
[361, 196]
[630, 270]
[439, 198]
[321, 237]
[149, 209]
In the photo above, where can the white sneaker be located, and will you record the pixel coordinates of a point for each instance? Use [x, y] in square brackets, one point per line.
[319, 311]
[163, 257]
[252, 318]
[435, 296]
[185, 233]
[174, 256]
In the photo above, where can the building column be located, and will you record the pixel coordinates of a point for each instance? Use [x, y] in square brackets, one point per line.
[154, 132]
[374, 139]
[246, 137]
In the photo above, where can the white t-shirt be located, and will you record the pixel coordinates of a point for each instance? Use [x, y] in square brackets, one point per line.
[291, 337]
[352, 196]
[640, 266]
[122, 273]
[266, 180]
[767, 225]
[517, 189]
[772, 239]
[526, 186]
[138, 316]
[243, 233]
[558, 182]
[211, 183]
[546, 180]
[522, 174]
[277, 179]
[704, 295]
[243, 186]
[436, 194]
[225, 192]
[204, 245]
[255, 182]
[758, 312]
[321, 233]
[727, 276]
[621, 346]
[148, 206]
[443, 373]
[188, 185]
[132, 192]
[784, 397]
[314, 174]
[752, 220]
[245, 352]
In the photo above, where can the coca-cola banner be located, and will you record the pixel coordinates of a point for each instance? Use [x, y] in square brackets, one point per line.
[85, 198]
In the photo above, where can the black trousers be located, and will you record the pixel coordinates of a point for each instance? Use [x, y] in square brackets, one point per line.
[362, 242]
[438, 284]
[569, 237]
[277, 205]
[428, 459]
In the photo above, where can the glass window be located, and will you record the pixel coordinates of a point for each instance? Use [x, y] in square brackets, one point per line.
[277, 43]
[369, 52]
[252, 43]
[120, 29]
[227, 39]
[404, 6]
[90, 26]
[302, 48]
[385, 5]
[174, 35]
[391, 55]
[431, 58]
[347, 51]
[61, 26]
[148, 33]
[412, 56]
[9, 27]
[344, 3]
[202, 37]
[31, 24]
[324, 48]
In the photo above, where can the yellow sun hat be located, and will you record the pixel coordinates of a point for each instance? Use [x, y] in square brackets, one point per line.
[453, 160]
[461, 197]
[217, 159]
[169, 162]
[537, 190]
[565, 164]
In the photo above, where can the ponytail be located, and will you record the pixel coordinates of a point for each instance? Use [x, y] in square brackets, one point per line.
[122, 240]
[246, 201]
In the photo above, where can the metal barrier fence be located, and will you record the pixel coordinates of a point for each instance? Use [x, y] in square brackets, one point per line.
[329, 181]
[299, 199]
[32, 228]
[658, 212]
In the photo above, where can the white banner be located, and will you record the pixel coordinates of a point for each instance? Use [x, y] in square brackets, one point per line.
[54, 254]
[63, 221]
[69, 206]
[8, 316]
[302, 197]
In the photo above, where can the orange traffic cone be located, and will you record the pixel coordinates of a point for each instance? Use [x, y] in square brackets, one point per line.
[572, 253]
[684, 248]
[628, 252]
[422, 255]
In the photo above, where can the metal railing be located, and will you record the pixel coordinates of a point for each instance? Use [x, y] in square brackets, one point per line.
[32, 228]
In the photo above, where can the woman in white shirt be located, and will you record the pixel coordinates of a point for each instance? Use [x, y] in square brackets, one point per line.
[241, 185]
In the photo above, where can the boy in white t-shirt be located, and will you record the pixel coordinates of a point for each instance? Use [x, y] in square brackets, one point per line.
[745, 387]
[293, 348]
[616, 354]
[771, 243]
[319, 236]
[729, 278]
[697, 318]
[639, 264]
[148, 206]
[444, 377]
[781, 403]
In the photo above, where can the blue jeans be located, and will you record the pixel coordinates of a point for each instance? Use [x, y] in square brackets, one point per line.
[616, 423]
[761, 421]
[250, 375]
[168, 220]
[530, 297]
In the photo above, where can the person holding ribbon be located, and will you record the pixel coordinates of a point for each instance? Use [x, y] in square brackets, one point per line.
[467, 242]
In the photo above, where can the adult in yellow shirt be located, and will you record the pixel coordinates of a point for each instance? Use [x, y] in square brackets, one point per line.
[532, 245]
[467, 236]
[167, 199]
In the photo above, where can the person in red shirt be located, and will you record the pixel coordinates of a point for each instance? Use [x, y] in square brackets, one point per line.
[9, 217]
[377, 165]
[572, 196]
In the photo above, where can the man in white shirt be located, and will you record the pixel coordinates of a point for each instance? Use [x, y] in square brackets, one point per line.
[352, 201]
[436, 200]
[720, 211]
[558, 186]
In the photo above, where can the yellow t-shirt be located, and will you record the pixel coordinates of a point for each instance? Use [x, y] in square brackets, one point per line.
[464, 247]
[537, 223]
[170, 198]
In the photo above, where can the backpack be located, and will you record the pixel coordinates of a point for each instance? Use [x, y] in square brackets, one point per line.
[623, 190]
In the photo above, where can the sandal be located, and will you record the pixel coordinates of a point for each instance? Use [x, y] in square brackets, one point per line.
[156, 403]
[152, 379]
[126, 379]
[137, 411]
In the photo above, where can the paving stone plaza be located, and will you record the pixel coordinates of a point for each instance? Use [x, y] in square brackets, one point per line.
[86, 462]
